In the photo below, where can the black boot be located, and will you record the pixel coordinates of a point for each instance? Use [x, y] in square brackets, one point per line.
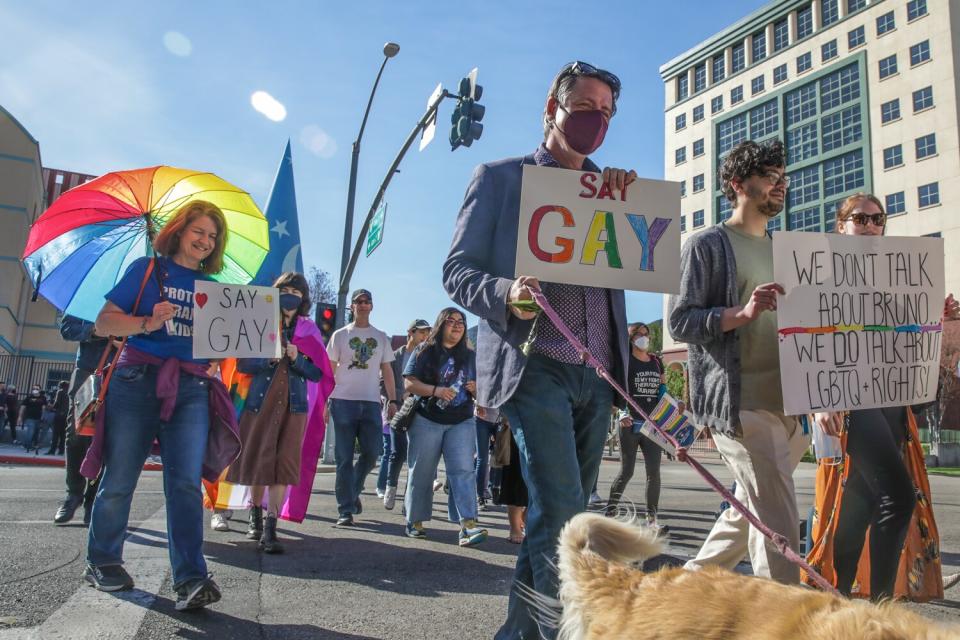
[255, 530]
[268, 542]
[67, 509]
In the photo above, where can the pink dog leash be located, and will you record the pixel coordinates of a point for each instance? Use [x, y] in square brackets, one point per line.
[781, 543]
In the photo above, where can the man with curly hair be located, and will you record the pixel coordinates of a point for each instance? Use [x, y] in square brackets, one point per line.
[726, 313]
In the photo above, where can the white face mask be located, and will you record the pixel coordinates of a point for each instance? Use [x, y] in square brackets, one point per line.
[641, 342]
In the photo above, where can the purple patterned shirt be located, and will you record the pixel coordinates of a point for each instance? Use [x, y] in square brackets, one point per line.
[585, 310]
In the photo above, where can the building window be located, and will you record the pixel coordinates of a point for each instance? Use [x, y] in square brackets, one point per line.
[916, 9]
[828, 51]
[698, 218]
[681, 122]
[781, 35]
[731, 132]
[736, 95]
[926, 146]
[895, 204]
[683, 188]
[739, 61]
[724, 209]
[802, 142]
[893, 156]
[804, 22]
[801, 103]
[759, 50]
[855, 5]
[842, 128]
[683, 224]
[779, 74]
[839, 88]
[764, 120]
[683, 86]
[890, 111]
[919, 52]
[829, 12]
[804, 219]
[886, 23]
[804, 62]
[888, 66]
[922, 99]
[698, 148]
[700, 77]
[716, 104]
[843, 174]
[680, 155]
[928, 194]
[774, 224]
[804, 186]
[756, 85]
[719, 69]
[856, 38]
[698, 183]
[697, 113]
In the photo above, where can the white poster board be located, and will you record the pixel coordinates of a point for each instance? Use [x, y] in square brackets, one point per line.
[575, 230]
[235, 321]
[860, 325]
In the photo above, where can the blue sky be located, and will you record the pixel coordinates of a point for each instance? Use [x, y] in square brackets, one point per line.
[96, 84]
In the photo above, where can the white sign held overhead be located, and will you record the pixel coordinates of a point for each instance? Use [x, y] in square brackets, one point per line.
[235, 321]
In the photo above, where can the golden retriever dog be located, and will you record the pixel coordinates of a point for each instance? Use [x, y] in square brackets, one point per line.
[604, 597]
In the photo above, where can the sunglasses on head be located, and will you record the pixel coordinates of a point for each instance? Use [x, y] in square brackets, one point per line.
[861, 219]
[579, 68]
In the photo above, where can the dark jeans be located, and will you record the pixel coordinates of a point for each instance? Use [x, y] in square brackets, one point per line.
[879, 494]
[353, 421]
[59, 433]
[558, 416]
[398, 455]
[629, 443]
[485, 431]
[384, 463]
[76, 448]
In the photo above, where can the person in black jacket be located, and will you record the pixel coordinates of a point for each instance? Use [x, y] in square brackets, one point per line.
[79, 489]
[61, 406]
[12, 407]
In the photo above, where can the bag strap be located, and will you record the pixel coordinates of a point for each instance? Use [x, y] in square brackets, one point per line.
[123, 343]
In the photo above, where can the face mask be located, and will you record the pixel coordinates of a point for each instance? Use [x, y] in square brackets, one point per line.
[35, 392]
[584, 130]
[641, 342]
[289, 301]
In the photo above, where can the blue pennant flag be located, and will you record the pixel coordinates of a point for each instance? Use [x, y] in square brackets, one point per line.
[281, 212]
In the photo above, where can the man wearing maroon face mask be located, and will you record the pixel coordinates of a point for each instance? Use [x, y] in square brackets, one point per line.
[558, 407]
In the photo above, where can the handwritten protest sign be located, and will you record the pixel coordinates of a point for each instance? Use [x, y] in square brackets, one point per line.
[235, 321]
[575, 230]
[860, 325]
[668, 417]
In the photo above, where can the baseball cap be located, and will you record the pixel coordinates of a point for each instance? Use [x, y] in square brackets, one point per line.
[418, 324]
[361, 292]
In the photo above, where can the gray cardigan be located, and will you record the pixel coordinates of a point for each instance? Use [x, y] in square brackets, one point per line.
[708, 285]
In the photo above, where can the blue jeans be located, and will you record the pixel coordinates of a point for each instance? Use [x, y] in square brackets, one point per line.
[398, 455]
[384, 464]
[33, 427]
[558, 416]
[458, 444]
[485, 431]
[354, 420]
[133, 422]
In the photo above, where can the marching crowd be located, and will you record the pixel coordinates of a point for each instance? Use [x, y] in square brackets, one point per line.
[523, 399]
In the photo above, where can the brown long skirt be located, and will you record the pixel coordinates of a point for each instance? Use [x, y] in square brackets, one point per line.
[272, 438]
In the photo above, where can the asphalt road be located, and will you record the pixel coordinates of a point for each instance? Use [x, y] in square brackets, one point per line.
[366, 582]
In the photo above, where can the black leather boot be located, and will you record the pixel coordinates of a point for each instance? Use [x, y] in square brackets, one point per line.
[268, 542]
[255, 530]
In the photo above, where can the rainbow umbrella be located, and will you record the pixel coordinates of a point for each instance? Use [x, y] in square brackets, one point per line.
[83, 244]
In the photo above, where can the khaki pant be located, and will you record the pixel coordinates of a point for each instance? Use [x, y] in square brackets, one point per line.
[762, 462]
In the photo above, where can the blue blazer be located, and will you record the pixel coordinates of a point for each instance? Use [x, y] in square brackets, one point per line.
[479, 270]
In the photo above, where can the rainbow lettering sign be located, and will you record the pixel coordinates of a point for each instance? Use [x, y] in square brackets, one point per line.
[574, 229]
[860, 325]
[667, 416]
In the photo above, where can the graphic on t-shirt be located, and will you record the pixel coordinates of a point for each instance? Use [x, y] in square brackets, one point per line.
[451, 377]
[363, 350]
[184, 312]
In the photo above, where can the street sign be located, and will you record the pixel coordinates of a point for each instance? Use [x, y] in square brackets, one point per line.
[431, 129]
[375, 234]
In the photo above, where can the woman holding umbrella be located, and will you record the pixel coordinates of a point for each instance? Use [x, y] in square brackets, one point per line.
[159, 391]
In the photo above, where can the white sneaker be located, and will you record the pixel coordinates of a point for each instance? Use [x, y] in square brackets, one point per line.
[380, 494]
[390, 498]
[595, 498]
[218, 522]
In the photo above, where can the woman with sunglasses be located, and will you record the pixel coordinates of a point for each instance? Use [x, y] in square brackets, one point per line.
[443, 373]
[883, 478]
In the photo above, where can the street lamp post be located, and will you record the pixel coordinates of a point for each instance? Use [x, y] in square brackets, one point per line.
[390, 49]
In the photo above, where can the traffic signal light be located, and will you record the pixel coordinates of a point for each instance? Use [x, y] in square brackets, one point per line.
[326, 320]
[468, 113]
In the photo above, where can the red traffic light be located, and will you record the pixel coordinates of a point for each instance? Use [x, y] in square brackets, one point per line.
[327, 314]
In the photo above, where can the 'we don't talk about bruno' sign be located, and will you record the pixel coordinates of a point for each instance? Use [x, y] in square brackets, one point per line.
[575, 230]
[860, 325]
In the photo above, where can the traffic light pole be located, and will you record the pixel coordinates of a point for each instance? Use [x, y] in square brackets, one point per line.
[348, 271]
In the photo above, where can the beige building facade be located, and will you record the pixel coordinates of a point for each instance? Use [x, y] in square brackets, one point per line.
[863, 93]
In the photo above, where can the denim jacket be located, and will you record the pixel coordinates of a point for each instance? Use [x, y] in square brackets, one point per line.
[301, 370]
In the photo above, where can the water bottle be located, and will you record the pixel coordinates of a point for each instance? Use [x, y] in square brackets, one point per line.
[441, 403]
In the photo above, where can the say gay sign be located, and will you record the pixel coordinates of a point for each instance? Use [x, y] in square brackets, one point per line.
[575, 230]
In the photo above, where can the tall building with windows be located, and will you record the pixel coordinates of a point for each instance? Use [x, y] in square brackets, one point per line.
[863, 94]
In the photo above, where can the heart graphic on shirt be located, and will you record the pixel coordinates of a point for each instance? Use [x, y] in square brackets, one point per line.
[273, 337]
[201, 299]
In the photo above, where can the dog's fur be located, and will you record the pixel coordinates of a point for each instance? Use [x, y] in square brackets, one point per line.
[603, 597]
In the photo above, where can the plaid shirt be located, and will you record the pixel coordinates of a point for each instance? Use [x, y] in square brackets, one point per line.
[585, 310]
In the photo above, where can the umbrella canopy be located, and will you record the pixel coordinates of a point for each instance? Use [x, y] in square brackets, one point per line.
[83, 244]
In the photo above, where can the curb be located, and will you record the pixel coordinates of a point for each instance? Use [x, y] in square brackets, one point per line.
[39, 461]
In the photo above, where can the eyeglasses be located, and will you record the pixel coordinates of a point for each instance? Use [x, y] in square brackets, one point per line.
[859, 218]
[579, 68]
[776, 178]
[453, 322]
[363, 301]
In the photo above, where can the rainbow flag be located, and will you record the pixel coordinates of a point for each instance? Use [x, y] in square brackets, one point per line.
[669, 418]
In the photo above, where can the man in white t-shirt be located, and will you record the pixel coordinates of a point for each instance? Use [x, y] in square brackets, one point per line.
[359, 354]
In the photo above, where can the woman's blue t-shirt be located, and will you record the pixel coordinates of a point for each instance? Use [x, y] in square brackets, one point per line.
[178, 286]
